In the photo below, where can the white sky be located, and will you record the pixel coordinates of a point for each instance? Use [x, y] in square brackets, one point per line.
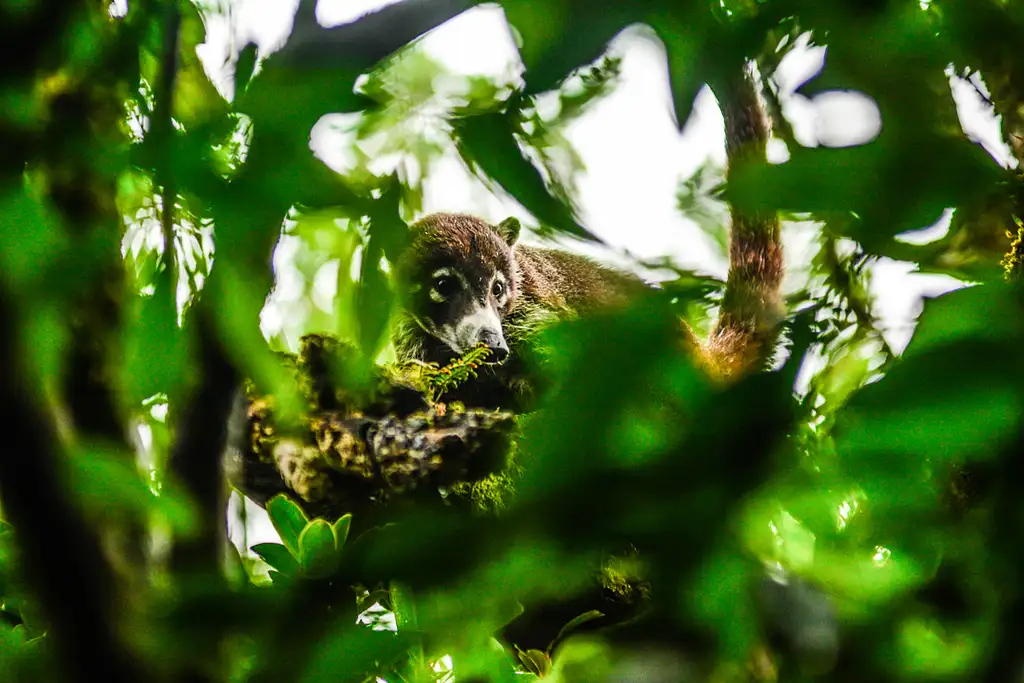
[633, 152]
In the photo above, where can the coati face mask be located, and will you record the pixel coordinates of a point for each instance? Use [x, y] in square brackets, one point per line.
[464, 284]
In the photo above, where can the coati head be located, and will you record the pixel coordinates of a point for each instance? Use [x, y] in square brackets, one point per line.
[459, 281]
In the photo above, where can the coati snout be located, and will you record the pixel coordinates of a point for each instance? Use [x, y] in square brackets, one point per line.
[463, 310]
[459, 283]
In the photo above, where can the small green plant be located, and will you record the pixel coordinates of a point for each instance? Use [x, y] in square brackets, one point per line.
[308, 548]
[439, 380]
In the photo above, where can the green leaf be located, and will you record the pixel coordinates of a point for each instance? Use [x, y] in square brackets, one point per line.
[403, 602]
[195, 98]
[279, 578]
[687, 34]
[341, 529]
[354, 653]
[635, 341]
[289, 520]
[31, 238]
[576, 622]
[318, 555]
[156, 350]
[374, 298]
[506, 611]
[954, 426]
[34, 621]
[244, 67]
[926, 409]
[487, 142]
[45, 338]
[238, 298]
[582, 659]
[720, 597]
[823, 180]
[277, 556]
[797, 542]
[536, 662]
[310, 93]
[561, 35]
[109, 486]
[990, 312]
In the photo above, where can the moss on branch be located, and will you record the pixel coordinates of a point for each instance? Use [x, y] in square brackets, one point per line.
[388, 440]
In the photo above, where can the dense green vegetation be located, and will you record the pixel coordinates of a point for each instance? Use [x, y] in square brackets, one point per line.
[627, 536]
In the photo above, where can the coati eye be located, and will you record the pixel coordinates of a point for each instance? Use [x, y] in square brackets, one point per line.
[498, 288]
[444, 287]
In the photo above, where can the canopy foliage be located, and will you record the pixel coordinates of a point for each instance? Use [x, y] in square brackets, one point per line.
[140, 208]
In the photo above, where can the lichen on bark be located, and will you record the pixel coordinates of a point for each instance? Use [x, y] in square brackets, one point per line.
[352, 448]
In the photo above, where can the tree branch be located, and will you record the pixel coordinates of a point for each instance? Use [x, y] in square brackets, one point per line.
[51, 533]
[162, 131]
[362, 43]
[353, 453]
[200, 439]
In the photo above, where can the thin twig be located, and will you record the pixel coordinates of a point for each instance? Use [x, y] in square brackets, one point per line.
[162, 129]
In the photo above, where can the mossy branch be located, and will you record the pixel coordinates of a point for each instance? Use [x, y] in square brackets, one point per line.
[349, 451]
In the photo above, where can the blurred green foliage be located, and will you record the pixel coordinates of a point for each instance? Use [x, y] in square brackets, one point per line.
[138, 213]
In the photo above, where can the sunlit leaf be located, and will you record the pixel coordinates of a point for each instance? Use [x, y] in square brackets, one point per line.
[317, 553]
[289, 520]
[341, 529]
[536, 662]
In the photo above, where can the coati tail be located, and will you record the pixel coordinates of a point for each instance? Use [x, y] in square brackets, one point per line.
[752, 305]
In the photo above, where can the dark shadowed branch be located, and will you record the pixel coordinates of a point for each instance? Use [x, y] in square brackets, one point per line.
[53, 534]
[200, 428]
[362, 43]
[200, 439]
[162, 130]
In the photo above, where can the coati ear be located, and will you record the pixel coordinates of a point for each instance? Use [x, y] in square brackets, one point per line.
[509, 230]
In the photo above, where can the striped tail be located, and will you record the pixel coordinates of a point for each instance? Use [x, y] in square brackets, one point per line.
[752, 306]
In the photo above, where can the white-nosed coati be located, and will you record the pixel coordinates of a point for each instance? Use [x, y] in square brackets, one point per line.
[468, 282]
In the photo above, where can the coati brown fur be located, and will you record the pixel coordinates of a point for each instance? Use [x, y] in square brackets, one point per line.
[752, 306]
[468, 282]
